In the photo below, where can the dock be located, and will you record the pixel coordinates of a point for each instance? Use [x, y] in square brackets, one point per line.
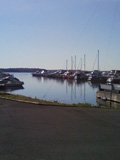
[109, 92]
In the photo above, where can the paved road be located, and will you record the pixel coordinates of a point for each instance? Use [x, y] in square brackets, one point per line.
[35, 132]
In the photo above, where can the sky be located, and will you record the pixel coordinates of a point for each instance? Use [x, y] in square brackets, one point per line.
[46, 33]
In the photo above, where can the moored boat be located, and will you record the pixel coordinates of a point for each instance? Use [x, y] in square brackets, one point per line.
[114, 79]
[41, 73]
[80, 76]
[11, 81]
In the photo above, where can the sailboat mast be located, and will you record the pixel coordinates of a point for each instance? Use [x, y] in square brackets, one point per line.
[98, 60]
[75, 62]
[84, 62]
[66, 64]
[81, 64]
[71, 62]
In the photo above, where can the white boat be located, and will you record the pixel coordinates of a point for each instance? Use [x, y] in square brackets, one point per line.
[40, 73]
[3, 75]
[114, 79]
[11, 81]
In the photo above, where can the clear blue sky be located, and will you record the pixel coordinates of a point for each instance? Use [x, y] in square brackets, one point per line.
[44, 33]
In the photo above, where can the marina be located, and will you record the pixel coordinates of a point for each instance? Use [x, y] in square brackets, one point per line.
[61, 90]
[60, 80]
[95, 76]
[65, 86]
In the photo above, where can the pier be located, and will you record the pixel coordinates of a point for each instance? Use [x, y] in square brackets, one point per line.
[109, 92]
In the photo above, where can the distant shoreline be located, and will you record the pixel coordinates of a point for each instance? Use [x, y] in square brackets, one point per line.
[31, 70]
[25, 69]
[20, 69]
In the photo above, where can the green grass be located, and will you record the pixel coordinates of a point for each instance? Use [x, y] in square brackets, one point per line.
[55, 103]
[38, 101]
[86, 105]
[28, 99]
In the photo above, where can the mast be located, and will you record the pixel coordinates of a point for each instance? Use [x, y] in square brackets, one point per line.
[75, 62]
[66, 64]
[98, 60]
[71, 62]
[81, 65]
[84, 62]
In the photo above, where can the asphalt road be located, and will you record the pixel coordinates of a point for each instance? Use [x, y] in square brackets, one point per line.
[36, 132]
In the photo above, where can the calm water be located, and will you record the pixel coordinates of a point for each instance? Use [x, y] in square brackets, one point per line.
[57, 90]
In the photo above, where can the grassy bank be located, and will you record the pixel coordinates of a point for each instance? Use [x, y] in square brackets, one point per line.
[26, 99]
[38, 101]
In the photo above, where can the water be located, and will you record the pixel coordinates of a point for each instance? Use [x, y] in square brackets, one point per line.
[56, 89]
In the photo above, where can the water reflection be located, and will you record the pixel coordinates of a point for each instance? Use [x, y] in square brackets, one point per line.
[78, 89]
[93, 85]
[66, 91]
[11, 89]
